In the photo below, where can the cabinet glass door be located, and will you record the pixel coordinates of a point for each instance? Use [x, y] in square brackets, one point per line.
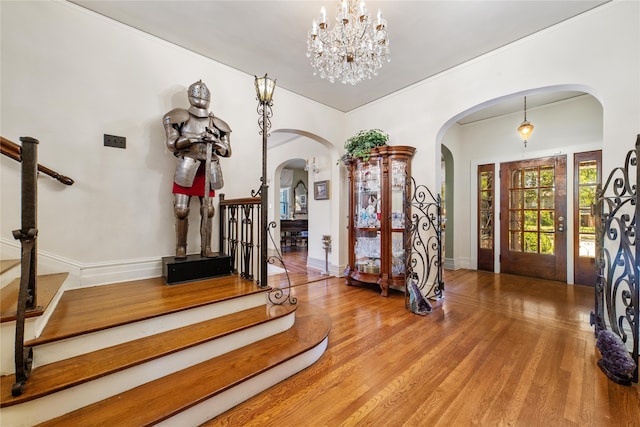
[367, 216]
[398, 188]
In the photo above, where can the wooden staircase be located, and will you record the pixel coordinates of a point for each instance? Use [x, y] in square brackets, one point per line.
[143, 353]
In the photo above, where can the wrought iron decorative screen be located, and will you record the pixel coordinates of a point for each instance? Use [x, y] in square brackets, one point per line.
[617, 248]
[423, 257]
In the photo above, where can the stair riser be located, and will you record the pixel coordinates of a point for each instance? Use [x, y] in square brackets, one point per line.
[57, 404]
[32, 330]
[216, 405]
[41, 321]
[8, 340]
[71, 347]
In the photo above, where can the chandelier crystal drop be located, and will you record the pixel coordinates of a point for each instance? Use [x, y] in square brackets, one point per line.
[353, 49]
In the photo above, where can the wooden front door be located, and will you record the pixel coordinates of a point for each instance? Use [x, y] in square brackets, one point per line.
[533, 218]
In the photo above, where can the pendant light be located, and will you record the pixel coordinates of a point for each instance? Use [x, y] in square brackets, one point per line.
[525, 127]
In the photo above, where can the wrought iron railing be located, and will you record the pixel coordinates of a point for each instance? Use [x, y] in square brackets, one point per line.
[240, 238]
[617, 212]
[239, 235]
[27, 236]
[423, 249]
[27, 154]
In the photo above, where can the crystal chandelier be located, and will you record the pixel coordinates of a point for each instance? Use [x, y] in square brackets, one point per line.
[354, 49]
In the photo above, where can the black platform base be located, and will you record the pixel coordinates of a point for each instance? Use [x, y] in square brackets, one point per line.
[194, 267]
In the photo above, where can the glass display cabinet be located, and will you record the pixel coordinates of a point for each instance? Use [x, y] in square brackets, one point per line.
[377, 193]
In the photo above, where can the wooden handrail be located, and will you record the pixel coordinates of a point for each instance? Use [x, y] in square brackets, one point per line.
[13, 150]
[241, 201]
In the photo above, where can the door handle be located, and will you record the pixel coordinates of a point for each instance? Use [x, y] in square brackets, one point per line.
[561, 224]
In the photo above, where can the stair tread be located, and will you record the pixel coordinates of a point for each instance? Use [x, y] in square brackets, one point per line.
[128, 302]
[173, 393]
[67, 373]
[47, 286]
[8, 264]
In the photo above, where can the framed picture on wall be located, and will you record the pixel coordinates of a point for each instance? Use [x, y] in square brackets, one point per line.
[321, 190]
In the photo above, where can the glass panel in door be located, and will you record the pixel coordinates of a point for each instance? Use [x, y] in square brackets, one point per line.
[587, 173]
[485, 217]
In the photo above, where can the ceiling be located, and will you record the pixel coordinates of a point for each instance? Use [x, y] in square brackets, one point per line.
[426, 38]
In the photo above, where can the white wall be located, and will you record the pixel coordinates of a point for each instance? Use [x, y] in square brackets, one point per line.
[68, 77]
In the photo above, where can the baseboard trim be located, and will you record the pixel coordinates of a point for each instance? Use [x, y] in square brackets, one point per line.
[320, 264]
[88, 275]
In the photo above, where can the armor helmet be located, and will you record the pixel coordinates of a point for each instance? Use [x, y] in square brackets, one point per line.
[199, 90]
[199, 97]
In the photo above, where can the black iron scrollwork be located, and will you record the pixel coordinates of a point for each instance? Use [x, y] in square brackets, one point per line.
[279, 295]
[258, 192]
[423, 257]
[616, 211]
[247, 244]
[265, 112]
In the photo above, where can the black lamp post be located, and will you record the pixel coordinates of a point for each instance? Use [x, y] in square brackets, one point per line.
[264, 89]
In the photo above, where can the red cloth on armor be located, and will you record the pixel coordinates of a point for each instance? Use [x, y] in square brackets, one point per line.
[197, 189]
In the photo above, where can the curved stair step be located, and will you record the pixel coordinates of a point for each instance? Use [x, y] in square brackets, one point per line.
[54, 377]
[128, 302]
[194, 395]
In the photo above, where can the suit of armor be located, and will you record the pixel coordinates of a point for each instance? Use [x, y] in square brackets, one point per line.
[189, 134]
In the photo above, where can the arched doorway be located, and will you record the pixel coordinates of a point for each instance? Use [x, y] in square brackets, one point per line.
[567, 122]
[448, 201]
[314, 158]
[293, 205]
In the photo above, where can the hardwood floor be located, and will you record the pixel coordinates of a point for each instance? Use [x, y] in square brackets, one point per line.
[497, 350]
[295, 259]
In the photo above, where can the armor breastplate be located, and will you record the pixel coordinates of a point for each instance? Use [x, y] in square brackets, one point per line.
[194, 128]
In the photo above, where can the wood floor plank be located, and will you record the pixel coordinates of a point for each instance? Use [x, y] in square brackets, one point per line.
[295, 259]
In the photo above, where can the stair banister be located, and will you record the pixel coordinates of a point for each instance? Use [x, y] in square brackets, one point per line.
[241, 238]
[27, 154]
